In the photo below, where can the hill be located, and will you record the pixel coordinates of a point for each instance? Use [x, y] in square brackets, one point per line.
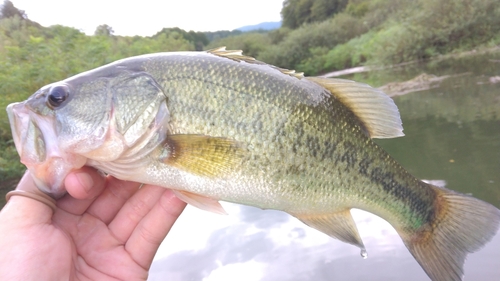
[261, 26]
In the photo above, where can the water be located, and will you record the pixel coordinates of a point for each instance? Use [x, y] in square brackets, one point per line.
[452, 136]
[364, 254]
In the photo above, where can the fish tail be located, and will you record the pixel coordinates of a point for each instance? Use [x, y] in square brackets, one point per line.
[461, 224]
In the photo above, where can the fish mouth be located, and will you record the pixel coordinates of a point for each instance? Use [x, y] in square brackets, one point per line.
[36, 142]
[20, 124]
[18, 119]
[28, 132]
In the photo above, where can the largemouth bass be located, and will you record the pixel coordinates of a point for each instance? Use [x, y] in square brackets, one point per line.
[219, 125]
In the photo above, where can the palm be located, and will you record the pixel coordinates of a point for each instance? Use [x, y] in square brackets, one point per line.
[96, 252]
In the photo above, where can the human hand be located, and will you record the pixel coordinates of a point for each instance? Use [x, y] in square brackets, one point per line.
[104, 229]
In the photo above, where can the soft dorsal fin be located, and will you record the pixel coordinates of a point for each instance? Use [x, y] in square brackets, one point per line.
[237, 55]
[374, 108]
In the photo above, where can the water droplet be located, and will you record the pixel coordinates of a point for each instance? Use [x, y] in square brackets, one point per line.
[364, 254]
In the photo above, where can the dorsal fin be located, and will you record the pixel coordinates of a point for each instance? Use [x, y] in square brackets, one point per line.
[374, 108]
[237, 55]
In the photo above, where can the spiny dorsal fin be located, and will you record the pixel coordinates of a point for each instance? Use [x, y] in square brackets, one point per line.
[374, 108]
[237, 55]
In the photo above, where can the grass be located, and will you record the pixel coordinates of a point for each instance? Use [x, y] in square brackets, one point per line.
[10, 166]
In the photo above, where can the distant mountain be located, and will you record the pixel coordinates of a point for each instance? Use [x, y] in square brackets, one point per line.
[263, 26]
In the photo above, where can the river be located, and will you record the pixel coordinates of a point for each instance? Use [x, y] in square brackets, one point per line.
[452, 136]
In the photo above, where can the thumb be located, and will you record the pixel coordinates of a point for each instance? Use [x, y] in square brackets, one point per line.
[84, 183]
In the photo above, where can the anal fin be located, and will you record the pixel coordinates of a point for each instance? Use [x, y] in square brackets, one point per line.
[201, 202]
[339, 225]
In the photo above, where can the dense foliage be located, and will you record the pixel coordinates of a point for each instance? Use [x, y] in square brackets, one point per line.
[379, 32]
[297, 12]
[316, 37]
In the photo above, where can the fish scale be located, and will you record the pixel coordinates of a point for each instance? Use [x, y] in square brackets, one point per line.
[409, 207]
[219, 125]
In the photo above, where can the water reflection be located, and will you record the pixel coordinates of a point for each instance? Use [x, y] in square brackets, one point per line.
[452, 134]
[251, 244]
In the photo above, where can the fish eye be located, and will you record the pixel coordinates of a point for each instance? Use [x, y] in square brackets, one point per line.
[57, 95]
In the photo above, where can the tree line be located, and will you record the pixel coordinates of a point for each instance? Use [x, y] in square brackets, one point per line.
[319, 36]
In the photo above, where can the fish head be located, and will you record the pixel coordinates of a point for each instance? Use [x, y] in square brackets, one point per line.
[97, 115]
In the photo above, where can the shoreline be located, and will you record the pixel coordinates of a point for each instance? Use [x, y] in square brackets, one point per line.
[367, 68]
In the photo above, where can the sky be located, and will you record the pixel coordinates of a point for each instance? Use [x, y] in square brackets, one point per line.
[146, 17]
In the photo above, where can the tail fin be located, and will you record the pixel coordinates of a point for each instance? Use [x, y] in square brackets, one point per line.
[462, 225]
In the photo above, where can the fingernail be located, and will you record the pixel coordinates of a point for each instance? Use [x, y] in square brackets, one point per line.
[85, 180]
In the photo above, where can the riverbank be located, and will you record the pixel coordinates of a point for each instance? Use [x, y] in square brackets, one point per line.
[479, 50]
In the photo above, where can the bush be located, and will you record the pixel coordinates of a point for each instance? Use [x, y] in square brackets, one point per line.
[302, 45]
[417, 31]
[350, 54]
[251, 43]
[314, 64]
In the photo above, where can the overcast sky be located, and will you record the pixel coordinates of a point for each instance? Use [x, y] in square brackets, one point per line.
[252, 244]
[146, 17]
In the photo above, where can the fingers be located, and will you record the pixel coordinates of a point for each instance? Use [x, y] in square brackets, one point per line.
[134, 210]
[148, 235]
[145, 220]
[137, 218]
[83, 186]
[112, 199]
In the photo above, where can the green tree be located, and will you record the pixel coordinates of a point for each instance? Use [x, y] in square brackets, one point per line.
[198, 39]
[104, 30]
[213, 35]
[303, 48]
[8, 10]
[297, 12]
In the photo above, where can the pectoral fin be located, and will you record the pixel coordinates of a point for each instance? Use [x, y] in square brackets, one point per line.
[338, 225]
[202, 155]
[201, 202]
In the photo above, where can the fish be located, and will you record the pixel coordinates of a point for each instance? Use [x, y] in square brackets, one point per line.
[219, 125]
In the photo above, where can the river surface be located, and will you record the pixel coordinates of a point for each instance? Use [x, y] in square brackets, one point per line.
[452, 127]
